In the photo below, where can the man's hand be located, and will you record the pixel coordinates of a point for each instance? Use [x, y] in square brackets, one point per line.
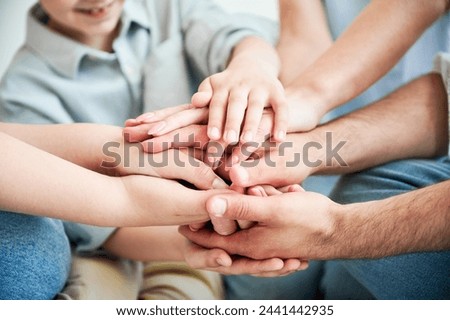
[296, 225]
[288, 163]
[219, 261]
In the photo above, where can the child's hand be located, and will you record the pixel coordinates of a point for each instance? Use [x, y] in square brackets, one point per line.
[237, 98]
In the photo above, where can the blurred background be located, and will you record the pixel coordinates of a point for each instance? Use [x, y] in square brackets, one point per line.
[13, 15]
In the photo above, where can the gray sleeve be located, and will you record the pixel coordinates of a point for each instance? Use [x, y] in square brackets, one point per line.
[211, 33]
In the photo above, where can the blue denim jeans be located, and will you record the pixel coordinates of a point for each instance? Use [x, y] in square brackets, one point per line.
[409, 276]
[34, 257]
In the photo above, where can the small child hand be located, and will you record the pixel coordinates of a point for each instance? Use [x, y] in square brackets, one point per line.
[237, 98]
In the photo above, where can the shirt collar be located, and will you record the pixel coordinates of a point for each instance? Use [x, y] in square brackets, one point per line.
[65, 54]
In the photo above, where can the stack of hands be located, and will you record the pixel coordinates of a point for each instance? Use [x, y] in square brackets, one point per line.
[236, 132]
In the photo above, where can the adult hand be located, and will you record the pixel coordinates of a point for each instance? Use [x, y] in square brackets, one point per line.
[287, 163]
[291, 225]
[219, 261]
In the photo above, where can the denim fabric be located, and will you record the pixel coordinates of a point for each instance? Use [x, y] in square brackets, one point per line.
[409, 276]
[34, 257]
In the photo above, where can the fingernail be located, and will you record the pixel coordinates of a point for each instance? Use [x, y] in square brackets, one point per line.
[193, 229]
[214, 133]
[248, 136]
[218, 207]
[234, 160]
[219, 184]
[220, 262]
[231, 136]
[157, 128]
[223, 263]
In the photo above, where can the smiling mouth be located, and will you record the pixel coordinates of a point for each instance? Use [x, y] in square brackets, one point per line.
[97, 10]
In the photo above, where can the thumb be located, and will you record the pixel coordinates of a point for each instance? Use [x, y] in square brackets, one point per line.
[241, 207]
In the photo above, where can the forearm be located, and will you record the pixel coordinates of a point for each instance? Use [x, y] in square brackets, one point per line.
[367, 50]
[253, 50]
[81, 144]
[39, 183]
[147, 244]
[304, 36]
[412, 222]
[411, 122]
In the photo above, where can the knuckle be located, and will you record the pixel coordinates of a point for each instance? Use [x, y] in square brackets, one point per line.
[204, 171]
[241, 209]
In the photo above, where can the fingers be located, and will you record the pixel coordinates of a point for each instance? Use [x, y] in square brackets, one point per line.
[237, 104]
[161, 114]
[281, 108]
[136, 133]
[177, 165]
[291, 188]
[215, 151]
[241, 207]
[193, 136]
[217, 112]
[289, 266]
[219, 261]
[197, 226]
[200, 258]
[259, 191]
[179, 120]
[258, 171]
[202, 98]
[263, 191]
[243, 265]
[256, 104]
[264, 128]
[224, 226]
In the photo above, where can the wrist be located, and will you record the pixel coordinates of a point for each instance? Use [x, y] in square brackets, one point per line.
[306, 108]
[315, 90]
[250, 61]
[254, 52]
[339, 232]
[309, 147]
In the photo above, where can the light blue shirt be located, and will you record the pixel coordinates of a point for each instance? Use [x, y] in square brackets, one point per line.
[164, 49]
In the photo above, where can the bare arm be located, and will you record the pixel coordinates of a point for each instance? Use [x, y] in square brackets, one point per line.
[41, 183]
[412, 222]
[304, 36]
[78, 143]
[366, 51]
[411, 122]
